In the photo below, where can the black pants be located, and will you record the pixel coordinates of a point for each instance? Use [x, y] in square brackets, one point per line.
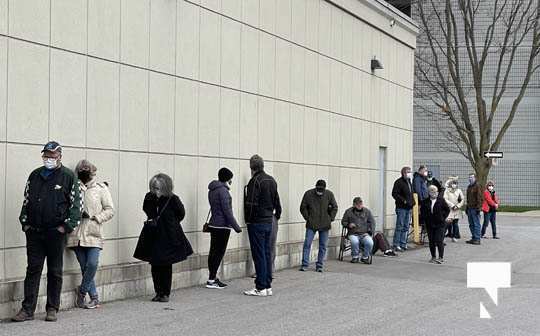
[162, 277]
[436, 240]
[40, 245]
[219, 238]
[453, 229]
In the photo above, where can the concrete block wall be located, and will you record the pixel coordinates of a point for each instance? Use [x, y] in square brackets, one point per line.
[185, 87]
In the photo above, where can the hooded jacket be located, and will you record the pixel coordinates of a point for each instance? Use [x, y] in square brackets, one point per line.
[99, 206]
[453, 197]
[221, 206]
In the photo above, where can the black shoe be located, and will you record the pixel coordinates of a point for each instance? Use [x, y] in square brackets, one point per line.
[319, 270]
[156, 298]
[495, 237]
[366, 260]
[163, 298]
[216, 284]
[51, 315]
[302, 269]
[390, 253]
[22, 316]
[473, 242]
[355, 260]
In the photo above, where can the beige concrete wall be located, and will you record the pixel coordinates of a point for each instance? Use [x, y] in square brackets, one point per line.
[185, 87]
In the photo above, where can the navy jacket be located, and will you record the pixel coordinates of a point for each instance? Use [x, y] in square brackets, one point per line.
[221, 206]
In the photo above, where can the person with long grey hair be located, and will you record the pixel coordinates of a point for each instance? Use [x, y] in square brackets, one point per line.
[87, 238]
[162, 241]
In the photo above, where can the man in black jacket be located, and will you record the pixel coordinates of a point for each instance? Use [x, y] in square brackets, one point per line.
[261, 205]
[51, 209]
[319, 209]
[402, 192]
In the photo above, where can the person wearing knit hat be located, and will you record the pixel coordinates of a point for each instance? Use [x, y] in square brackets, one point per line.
[319, 209]
[220, 224]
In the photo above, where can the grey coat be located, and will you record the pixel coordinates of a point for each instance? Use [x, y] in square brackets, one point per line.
[363, 219]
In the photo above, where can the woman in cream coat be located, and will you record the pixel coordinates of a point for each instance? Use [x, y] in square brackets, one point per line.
[455, 200]
[87, 239]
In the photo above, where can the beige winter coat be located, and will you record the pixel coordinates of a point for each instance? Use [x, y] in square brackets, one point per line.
[451, 196]
[99, 206]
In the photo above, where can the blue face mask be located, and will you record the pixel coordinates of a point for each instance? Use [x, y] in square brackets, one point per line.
[472, 180]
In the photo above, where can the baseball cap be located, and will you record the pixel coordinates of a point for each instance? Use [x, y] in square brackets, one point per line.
[52, 146]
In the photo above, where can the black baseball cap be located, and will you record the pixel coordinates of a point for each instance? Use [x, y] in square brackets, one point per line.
[52, 146]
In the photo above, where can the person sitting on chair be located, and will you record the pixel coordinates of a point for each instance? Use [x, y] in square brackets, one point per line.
[359, 223]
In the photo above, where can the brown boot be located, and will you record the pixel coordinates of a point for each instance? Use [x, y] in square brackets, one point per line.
[51, 315]
[22, 316]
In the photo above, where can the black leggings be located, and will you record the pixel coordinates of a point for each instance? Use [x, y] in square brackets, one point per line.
[436, 240]
[219, 238]
[162, 276]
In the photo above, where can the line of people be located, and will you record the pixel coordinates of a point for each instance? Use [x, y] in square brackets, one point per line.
[62, 208]
[440, 209]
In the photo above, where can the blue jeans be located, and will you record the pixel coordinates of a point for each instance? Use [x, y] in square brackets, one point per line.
[474, 223]
[367, 244]
[402, 227]
[260, 241]
[490, 216]
[323, 242]
[88, 258]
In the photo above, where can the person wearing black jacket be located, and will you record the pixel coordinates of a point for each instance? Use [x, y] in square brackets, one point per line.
[51, 209]
[402, 192]
[261, 205]
[434, 212]
[433, 181]
[162, 241]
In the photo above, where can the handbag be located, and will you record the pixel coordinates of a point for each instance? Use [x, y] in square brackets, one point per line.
[206, 226]
[154, 222]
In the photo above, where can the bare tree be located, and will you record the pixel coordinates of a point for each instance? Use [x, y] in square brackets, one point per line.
[454, 46]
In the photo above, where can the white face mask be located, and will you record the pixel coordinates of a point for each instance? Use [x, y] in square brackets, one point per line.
[490, 188]
[433, 194]
[50, 163]
[409, 176]
[454, 186]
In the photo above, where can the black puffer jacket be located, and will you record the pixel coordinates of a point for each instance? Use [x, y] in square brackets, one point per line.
[165, 243]
[261, 199]
[221, 206]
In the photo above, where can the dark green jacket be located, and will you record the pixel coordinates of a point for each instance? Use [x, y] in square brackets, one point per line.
[318, 211]
[52, 201]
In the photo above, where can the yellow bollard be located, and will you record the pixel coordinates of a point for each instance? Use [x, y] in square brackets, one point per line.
[416, 220]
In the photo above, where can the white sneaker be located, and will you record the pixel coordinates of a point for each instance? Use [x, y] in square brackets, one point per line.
[256, 292]
[454, 240]
[269, 292]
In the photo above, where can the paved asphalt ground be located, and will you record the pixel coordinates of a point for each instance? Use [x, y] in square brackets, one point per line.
[393, 296]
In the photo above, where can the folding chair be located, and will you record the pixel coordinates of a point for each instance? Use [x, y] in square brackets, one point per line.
[344, 244]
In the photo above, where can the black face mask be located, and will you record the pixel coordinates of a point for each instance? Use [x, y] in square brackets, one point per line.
[84, 176]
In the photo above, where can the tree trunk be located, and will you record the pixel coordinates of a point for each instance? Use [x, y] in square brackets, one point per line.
[482, 168]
